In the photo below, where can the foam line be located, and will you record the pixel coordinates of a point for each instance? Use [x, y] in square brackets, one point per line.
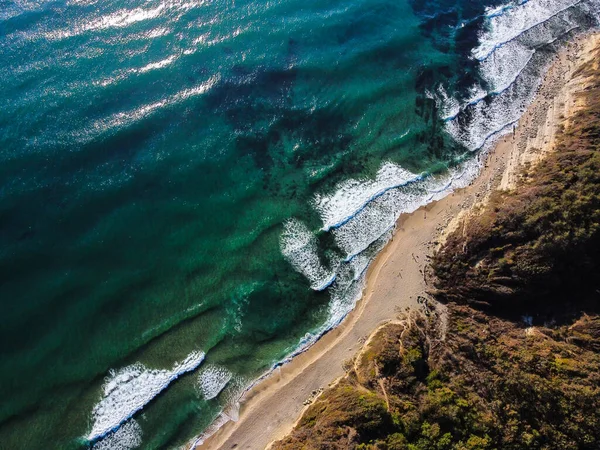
[376, 219]
[129, 389]
[500, 10]
[504, 67]
[502, 70]
[127, 437]
[492, 77]
[325, 283]
[351, 196]
[237, 387]
[380, 216]
[506, 27]
[515, 72]
[299, 246]
[447, 106]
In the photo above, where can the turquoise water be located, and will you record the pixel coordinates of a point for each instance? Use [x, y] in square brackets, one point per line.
[192, 190]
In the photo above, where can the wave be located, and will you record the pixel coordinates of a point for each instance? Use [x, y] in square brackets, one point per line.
[503, 28]
[512, 74]
[502, 69]
[377, 218]
[491, 12]
[351, 196]
[129, 389]
[592, 8]
[235, 391]
[344, 297]
[448, 107]
[212, 380]
[127, 437]
[381, 215]
[299, 246]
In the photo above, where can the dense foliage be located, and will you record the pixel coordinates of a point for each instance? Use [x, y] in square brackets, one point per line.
[489, 384]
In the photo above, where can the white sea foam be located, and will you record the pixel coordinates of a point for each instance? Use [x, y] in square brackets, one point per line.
[299, 246]
[503, 28]
[380, 215]
[350, 196]
[447, 105]
[359, 265]
[371, 222]
[592, 8]
[374, 225]
[344, 296]
[350, 284]
[503, 67]
[212, 380]
[512, 71]
[476, 93]
[129, 389]
[510, 67]
[491, 11]
[127, 437]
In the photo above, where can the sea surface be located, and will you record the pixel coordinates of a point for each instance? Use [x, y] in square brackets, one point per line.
[191, 191]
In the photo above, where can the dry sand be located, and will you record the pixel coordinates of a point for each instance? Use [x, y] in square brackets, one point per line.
[398, 276]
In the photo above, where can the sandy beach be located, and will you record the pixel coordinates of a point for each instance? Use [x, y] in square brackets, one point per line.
[399, 274]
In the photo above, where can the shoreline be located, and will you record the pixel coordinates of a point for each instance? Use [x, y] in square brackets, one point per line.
[398, 275]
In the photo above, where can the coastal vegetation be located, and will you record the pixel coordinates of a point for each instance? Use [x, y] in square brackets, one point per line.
[512, 360]
[489, 383]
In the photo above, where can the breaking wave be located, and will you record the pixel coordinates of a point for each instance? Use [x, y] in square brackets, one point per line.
[351, 196]
[516, 46]
[129, 389]
[127, 437]
[299, 246]
[503, 28]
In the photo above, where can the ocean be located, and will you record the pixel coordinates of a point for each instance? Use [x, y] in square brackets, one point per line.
[191, 191]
